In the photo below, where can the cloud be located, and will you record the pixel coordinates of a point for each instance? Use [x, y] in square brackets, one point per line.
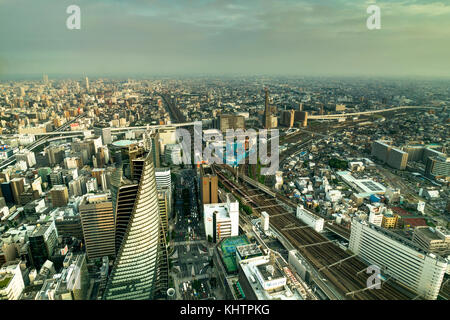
[221, 36]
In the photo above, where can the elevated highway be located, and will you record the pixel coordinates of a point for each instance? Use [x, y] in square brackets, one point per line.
[352, 114]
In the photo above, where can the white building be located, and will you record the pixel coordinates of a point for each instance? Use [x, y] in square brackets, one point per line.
[376, 214]
[166, 136]
[11, 281]
[261, 279]
[163, 178]
[27, 156]
[221, 219]
[264, 221]
[334, 195]
[91, 185]
[312, 220]
[172, 154]
[420, 271]
[71, 162]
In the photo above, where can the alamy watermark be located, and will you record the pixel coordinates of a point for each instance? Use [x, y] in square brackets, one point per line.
[74, 20]
[235, 148]
[374, 281]
[374, 20]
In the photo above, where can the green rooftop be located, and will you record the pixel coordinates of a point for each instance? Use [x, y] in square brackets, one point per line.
[5, 280]
[228, 250]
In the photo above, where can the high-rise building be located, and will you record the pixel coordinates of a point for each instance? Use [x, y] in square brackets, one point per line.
[140, 269]
[302, 117]
[43, 242]
[87, 83]
[163, 178]
[7, 192]
[27, 156]
[438, 167]
[163, 201]
[72, 283]
[380, 150]
[287, 118]
[97, 220]
[230, 121]
[55, 155]
[60, 196]
[221, 219]
[166, 136]
[123, 152]
[17, 188]
[415, 268]
[397, 159]
[105, 133]
[209, 188]
[267, 111]
[172, 154]
[164, 183]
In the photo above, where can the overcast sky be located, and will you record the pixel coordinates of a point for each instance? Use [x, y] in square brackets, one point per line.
[291, 37]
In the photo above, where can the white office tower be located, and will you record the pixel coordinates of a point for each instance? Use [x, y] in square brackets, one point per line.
[265, 221]
[164, 183]
[222, 219]
[163, 178]
[420, 271]
[172, 154]
[309, 218]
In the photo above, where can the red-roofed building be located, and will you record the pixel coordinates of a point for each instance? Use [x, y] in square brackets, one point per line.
[414, 222]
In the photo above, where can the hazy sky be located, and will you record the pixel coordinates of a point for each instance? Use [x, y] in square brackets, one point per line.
[292, 37]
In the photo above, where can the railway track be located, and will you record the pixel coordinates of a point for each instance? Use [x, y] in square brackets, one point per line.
[346, 276]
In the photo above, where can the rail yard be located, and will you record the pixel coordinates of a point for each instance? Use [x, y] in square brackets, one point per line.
[346, 273]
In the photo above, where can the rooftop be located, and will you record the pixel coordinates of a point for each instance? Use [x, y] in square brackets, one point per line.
[123, 143]
[227, 248]
[5, 280]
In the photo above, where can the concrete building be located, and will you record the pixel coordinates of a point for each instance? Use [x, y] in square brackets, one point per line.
[60, 196]
[172, 154]
[262, 278]
[71, 284]
[435, 240]
[17, 188]
[380, 150]
[438, 167]
[265, 221]
[27, 156]
[397, 159]
[209, 186]
[221, 219]
[43, 241]
[11, 281]
[309, 218]
[230, 121]
[288, 118]
[163, 178]
[97, 220]
[166, 136]
[302, 117]
[420, 271]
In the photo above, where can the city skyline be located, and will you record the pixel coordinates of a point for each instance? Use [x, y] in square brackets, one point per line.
[305, 38]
